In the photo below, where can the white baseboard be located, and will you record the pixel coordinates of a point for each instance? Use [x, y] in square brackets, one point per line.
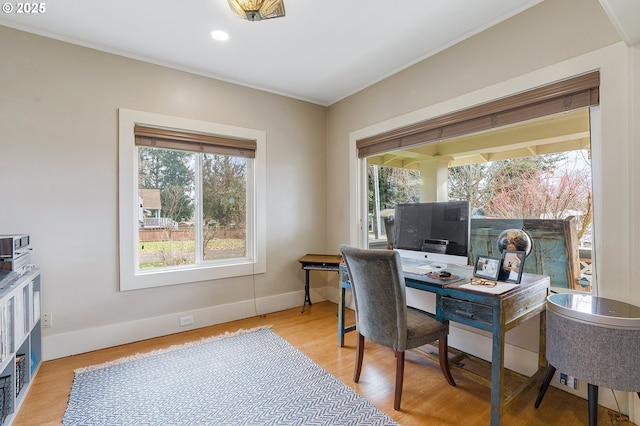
[86, 340]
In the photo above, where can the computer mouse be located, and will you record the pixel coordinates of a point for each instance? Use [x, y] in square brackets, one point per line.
[444, 274]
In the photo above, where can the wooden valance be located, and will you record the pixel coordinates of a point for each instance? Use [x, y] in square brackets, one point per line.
[195, 142]
[577, 92]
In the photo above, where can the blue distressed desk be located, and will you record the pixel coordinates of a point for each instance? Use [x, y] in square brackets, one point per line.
[496, 313]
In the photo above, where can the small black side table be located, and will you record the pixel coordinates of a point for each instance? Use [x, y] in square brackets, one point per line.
[317, 262]
[593, 339]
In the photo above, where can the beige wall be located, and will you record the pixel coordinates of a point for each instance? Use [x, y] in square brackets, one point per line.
[634, 159]
[58, 168]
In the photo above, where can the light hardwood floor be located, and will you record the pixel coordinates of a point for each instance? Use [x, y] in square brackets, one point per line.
[427, 398]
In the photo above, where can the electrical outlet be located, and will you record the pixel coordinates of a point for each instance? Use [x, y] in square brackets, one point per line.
[570, 381]
[184, 321]
[47, 320]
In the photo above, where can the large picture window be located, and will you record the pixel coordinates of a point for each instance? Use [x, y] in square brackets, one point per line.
[196, 210]
[520, 159]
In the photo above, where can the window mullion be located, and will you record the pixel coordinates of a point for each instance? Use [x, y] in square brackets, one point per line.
[198, 215]
[250, 211]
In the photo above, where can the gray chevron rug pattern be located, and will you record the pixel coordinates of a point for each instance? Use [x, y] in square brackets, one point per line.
[252, 377]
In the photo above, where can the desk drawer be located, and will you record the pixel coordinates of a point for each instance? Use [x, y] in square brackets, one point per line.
[464, 311]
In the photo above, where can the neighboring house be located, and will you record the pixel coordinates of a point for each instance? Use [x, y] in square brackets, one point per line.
[150, 210]
[150, 203]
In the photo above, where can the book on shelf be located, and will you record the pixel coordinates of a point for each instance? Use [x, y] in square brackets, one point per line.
[3, 333]
[33, 362]
[21, 371]
[20, 307]
[26, 320]
[6, 329]
[36, 306]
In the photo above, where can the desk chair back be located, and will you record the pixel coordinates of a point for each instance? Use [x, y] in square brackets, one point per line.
[379, 295]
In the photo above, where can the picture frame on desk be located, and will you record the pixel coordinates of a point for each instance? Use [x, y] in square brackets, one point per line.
[487, 267]
[512, 266]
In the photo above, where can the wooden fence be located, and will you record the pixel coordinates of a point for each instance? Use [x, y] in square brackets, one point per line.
[150, 235]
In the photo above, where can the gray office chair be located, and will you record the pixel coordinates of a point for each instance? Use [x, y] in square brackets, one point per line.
[382, 315]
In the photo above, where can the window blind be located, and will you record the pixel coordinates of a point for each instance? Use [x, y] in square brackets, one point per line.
[195, 142]
[577, 92]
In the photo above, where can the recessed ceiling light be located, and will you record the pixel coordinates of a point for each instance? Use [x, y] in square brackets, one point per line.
[219, 35]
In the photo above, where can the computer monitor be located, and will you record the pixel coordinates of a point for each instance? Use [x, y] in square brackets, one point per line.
[434, 233]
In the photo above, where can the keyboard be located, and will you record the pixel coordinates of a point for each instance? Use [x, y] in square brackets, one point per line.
[321, 267]
[416, 270]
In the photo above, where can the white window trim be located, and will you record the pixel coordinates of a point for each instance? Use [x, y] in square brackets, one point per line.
[130, 278]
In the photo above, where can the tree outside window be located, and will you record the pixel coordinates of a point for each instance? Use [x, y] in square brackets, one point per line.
[552, 186]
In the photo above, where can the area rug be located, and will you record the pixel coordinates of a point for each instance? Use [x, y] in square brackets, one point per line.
[252, 377]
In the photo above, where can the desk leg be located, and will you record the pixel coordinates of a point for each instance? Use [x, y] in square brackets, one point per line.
[341, 316]
[307, 298]
[497, 372]
[542, 341]
[342, 330]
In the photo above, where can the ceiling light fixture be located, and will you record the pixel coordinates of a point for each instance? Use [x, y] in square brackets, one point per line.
[257, 10]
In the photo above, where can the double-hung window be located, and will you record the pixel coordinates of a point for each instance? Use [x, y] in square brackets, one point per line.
[191, 201]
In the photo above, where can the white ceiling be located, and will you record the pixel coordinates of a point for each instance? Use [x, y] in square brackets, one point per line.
[625, 16]
[322, 51]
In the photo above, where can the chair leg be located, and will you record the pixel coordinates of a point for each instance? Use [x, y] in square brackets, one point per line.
[443, 349]
[399, 379]
[551, 370]
[592, 394]
[359, 356]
